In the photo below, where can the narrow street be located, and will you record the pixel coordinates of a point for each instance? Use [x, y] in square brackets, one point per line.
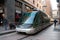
[29, 16]
[48, 34]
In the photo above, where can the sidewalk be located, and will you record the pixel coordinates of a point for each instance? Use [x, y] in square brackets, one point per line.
[3, 31]
[2, 28]
[57, 27]
[6, 32]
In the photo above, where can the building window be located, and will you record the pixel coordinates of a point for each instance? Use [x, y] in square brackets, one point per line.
[18, 4]
[43, 2]
[33, 1]
[40, 7]
[37, 5]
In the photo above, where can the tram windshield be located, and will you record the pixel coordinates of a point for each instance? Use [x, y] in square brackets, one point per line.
[29, 18]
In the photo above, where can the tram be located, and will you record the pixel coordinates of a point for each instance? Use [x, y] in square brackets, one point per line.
[33, 22]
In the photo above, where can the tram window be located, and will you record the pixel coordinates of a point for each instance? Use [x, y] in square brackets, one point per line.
[45, 18]
[25, 16]
[38, 20]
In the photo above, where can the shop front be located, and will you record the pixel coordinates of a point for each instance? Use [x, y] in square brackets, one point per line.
[1, 11]
[1, 15]
[18, 11]
[18, 15]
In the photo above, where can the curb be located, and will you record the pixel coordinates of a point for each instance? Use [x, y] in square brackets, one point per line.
[7, 32]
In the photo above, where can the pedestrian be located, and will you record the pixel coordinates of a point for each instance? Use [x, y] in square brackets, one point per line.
[17, 18]
[12, 26]
[55, 21]
[5, 23]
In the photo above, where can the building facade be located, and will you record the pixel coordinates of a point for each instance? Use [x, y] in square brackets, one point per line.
[58, 9]
[47, 7]
[55, 14]
[11, 8]
[49, 12]
[7, 10]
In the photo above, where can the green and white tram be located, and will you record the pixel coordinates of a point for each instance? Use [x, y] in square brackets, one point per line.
[33, 22]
